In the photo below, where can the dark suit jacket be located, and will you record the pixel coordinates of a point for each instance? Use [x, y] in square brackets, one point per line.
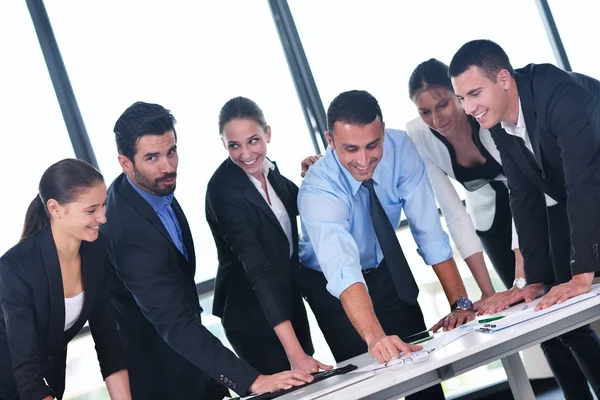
[170, 352]
[562, 115]
[254, 289]
[33, 343]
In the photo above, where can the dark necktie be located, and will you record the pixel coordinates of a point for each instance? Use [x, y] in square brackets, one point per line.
[392, 252]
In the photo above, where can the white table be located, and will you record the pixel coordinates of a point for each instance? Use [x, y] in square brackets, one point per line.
[469, 352]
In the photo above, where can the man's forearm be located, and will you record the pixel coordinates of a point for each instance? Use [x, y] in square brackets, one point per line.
[359, 309]
[447, 273]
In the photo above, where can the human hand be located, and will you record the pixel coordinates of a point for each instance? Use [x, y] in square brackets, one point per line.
[477, 305]
[492, 302]
[579, 284]
[387, 348]
[281, 381]
[514, 296]
[306, 363]
[307, 162]
[453, 320]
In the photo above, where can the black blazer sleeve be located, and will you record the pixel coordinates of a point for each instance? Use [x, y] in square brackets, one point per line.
[15, 297]
[573, 115]
[528, 206]
[103, 326]
[143, 268]
[294, 191]
[230, 215]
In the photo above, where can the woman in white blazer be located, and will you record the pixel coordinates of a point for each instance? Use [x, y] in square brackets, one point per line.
[454, 146]
[477, 168]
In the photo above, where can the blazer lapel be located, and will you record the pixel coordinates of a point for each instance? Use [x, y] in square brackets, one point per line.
[530, 117]
[145, 209]
[186, 234]
[251, 193]
[55, 286]
[280, 187]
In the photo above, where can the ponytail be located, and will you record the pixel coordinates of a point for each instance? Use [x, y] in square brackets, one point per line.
[36, 218]
[63, 181]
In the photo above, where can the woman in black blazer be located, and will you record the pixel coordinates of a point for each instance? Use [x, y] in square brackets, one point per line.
[251, 209]
[52, 282]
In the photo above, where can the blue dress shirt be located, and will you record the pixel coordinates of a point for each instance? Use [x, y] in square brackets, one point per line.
[338, 237]
[162, 207]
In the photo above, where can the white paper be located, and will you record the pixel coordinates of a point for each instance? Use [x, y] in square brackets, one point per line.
[522, 312]
[439, 341]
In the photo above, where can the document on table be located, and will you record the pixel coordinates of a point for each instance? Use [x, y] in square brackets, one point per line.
[439, 341]
[523, 312]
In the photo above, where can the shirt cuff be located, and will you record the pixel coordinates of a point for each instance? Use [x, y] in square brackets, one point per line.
[343, 279]
[436, 252]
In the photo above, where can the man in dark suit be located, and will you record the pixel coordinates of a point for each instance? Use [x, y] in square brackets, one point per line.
[546, 124]
[171, 354]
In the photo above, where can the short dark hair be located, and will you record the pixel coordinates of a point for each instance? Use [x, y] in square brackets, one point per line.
[241, 108]
[63, 181]
[141, 119]
[356, 107]
[484, 54]
[428, 74]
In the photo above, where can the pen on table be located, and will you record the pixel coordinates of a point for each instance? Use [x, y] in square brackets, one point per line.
[423, 340]
[483, 321]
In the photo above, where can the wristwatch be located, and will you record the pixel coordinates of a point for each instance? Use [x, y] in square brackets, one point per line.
[462, 303]
[519, 283]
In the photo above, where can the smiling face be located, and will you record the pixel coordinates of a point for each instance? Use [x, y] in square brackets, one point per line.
[81, 218]
[359, 147]
[481, 97]
[246, 142]
[440, 109]
[154, 165]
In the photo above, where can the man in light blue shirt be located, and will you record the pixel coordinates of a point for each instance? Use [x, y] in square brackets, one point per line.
[345, 248]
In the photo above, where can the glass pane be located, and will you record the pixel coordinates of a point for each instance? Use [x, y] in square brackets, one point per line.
[376, 45]
[34, 133]
[576, 21]
[190, 57]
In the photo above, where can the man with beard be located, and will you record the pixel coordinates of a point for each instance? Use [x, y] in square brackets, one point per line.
[171, 355]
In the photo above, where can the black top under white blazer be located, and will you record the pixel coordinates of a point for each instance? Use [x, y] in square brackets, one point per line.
[33, 343]
[480, 199]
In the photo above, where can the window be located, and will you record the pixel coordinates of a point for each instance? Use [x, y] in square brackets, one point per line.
[190, 58]
[375, 46]
[34, 135]
[576, 21]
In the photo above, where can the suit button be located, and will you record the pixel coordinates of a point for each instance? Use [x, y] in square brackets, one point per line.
[234, 385]
[226, 380]
[221, 377]
[51, 358]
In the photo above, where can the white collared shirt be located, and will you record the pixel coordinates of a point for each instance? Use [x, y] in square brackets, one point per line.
[520, 130]
[276, 205]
